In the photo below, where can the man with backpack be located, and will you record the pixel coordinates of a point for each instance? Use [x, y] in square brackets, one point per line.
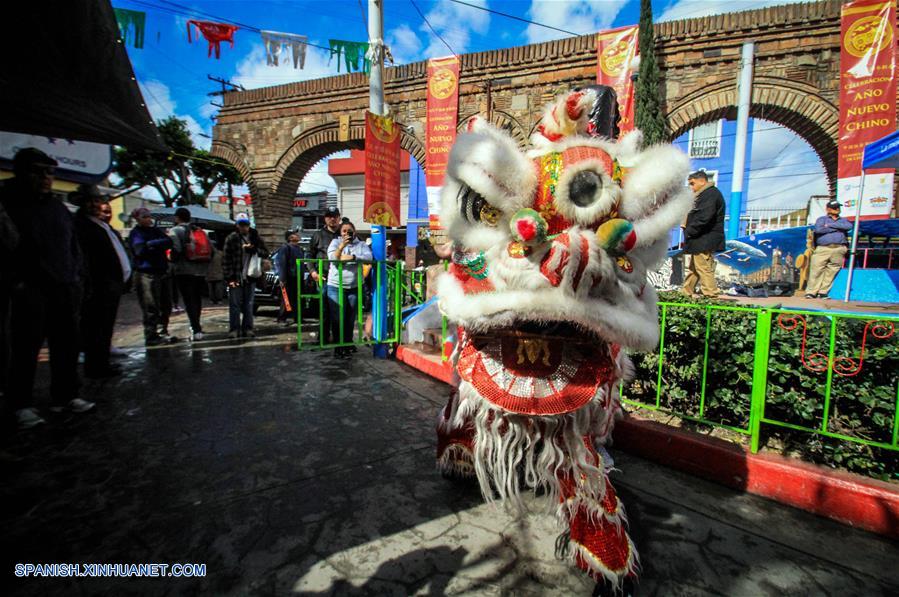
[191, 253]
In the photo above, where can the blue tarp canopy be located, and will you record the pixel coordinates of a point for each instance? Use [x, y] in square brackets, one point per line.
[883, 153]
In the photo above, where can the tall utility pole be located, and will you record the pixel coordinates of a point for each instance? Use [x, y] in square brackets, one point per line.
[378, 233]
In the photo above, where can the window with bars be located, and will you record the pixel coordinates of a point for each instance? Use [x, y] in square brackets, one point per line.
[705, 140]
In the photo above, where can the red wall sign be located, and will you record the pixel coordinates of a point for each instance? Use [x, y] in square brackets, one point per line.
[616, 50]
[867, 102]
[443, 111]
[382, 171]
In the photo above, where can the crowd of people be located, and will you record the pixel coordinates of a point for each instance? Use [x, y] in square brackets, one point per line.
[62, 277]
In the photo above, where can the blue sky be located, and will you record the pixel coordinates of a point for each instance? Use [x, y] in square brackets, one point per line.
[173, 74]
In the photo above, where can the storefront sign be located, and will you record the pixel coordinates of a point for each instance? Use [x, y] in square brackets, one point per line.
[382, 171]
[90, 161]
[867, 103]
[440, 134]
[616, 50]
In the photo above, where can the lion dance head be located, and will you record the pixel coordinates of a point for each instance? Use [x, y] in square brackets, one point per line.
[548, 286]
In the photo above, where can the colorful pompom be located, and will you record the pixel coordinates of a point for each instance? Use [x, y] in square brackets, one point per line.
[616, 235]
[528, 227]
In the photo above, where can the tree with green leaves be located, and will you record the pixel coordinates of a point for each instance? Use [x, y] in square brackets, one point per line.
[649, 118]
[184, 176]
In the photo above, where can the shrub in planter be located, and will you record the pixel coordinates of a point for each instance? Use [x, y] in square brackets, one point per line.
[861, 403]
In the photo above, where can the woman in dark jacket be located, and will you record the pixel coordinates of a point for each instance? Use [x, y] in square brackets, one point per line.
[286, 267]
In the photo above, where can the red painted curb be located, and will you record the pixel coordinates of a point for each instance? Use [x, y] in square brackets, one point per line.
[851, 499]
[442, 371]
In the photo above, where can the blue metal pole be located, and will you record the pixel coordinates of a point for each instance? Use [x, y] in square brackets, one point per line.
[379, 299]
[735, 206]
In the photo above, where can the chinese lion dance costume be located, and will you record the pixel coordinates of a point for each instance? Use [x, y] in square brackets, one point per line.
[548, 287]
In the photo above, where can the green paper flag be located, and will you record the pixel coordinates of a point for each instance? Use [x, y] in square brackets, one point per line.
[353, 52]
[128, 19]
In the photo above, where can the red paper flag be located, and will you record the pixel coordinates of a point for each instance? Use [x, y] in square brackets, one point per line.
[214, 33]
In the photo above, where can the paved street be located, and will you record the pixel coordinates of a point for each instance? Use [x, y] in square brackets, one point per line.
[294, 473]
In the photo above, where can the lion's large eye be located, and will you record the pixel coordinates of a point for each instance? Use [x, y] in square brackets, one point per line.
[585, 188]
[475, 208]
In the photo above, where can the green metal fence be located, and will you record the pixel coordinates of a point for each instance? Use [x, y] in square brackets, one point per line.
[390, 276]
[414, 287]
[740, 368]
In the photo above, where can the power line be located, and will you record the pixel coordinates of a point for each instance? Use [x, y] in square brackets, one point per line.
[508, 16]
[425, 19]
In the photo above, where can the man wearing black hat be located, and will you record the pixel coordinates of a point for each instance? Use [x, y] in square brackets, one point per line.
[318, 249]
[45, 274]
[831, 246]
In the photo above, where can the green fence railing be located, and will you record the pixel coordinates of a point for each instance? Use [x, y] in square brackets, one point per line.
[389, 276]
[414, 287]
[834, 375]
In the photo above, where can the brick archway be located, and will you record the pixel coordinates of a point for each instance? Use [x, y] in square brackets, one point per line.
[280, 183]
[503, 121]
[314, 145]
[797, 106]
[223, 150]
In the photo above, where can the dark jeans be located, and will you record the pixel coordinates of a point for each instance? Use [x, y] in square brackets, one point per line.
[240, 302]
[98, 315]
[191, 289]
[350, 300]
[154, 294]
[40, 312]
[293, 315]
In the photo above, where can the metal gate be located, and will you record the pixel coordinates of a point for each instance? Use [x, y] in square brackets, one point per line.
[348, 308]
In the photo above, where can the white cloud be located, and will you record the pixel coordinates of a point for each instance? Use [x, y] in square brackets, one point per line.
[692, 9]
[318, 179]
[454, 22]
[577, 16]
[207, 110]
[253, 72]
[158, 98]
[784, 169]
[404, 44]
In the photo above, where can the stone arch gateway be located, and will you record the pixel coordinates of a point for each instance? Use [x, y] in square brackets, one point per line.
[274, 135]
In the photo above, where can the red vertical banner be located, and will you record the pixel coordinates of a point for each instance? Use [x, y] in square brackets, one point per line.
[616, 50]
[382, 171]
[440, 134]
[867, 103]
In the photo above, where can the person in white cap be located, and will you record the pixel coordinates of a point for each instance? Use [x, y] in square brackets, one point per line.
[241, 247]
[831, 246]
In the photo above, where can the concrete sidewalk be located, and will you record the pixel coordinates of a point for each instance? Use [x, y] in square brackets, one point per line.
[295, 473]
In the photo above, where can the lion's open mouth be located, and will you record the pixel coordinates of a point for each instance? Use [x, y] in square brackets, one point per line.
[537, 368]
